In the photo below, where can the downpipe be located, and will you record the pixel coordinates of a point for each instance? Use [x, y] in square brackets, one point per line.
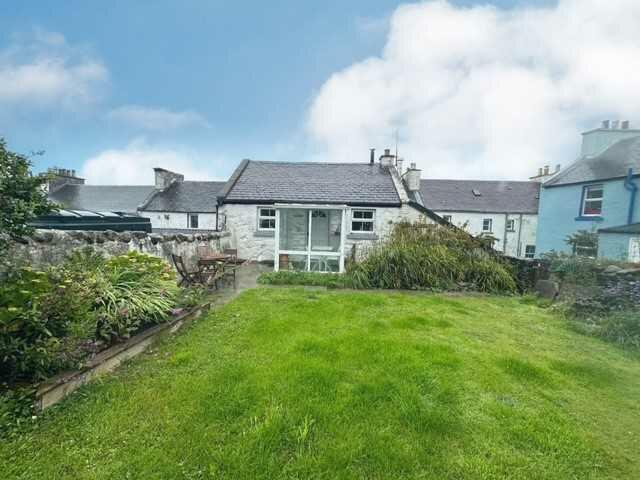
[631, 186]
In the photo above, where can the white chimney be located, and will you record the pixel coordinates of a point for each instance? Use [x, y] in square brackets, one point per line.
[387, 160]
[412, 178]
[399, 163]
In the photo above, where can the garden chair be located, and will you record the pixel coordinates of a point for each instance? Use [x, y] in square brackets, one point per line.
[232, 264]
[187, 277]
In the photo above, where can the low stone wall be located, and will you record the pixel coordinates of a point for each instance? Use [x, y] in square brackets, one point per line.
[50, 247]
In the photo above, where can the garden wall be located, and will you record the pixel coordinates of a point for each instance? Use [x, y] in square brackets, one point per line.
[50, 247]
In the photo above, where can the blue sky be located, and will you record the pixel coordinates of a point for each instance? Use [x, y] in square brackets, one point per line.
[208, 82]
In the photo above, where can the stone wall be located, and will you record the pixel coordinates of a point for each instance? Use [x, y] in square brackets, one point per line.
[50, 247]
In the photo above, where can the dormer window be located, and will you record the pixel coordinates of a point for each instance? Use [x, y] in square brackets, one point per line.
[592, 201]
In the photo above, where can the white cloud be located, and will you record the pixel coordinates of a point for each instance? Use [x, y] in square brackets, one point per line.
[133, 164]
[43, 70]
[157, 118]
[484, 92]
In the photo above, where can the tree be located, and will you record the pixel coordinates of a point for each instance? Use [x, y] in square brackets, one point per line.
[22, 196]
[584, 243]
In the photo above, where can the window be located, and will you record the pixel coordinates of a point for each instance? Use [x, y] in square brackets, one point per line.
[511, 225]
[530, 251]
[447, 218]
[193, 220]
[266, 218]
[362, 221]
[592, 201]
[487, 225]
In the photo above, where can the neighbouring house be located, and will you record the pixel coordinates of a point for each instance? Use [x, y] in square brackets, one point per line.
[172, 204]
[71, 192]
[310, 216]
[179, 206]
[505, 211]
[597, 193]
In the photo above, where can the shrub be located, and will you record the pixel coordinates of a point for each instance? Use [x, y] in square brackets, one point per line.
[622, 328]
[431, 256]
[329, 280]
[52, 319]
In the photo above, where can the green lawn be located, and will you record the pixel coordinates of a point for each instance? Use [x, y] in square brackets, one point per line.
[292, 383]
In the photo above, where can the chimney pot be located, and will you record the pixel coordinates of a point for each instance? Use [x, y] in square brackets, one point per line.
[615, 124]
[387, 151]
[540, 171]
[546, 169]
[625, 125]
[606, 124]
[558, 167]
[372, 155]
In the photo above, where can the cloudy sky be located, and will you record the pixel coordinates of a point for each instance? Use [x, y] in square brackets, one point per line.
[490, 89]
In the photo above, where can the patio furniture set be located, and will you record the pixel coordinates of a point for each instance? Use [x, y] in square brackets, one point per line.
[211, 267]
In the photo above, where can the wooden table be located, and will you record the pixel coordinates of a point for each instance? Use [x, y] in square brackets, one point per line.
[212, 266]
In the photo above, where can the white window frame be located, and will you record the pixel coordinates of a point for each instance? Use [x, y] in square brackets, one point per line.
[266, 217]
[490, 229]
[371, 220]
[527, 254]
[189, 224]
[511, 225]
[585, 199]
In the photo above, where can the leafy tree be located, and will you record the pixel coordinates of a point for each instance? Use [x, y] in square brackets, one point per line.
[22, 195]
[584, 243]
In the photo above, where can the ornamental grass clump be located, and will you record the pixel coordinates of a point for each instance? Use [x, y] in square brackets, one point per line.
[424, 256]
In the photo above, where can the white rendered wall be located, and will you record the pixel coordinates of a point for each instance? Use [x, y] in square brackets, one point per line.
[206, 221]
[524, 234]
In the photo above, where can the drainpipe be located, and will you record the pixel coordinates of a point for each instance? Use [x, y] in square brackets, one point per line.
[520, 236]
[504, 242]
[633, 188]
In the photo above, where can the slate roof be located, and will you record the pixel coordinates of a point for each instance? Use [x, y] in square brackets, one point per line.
[311, 182]
[98, 198]
[494, 196]
[187, 196]
[614, 162]
[631, 228]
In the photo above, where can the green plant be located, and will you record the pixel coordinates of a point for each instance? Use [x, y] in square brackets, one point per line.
[329, 280]
[583, 243]
[22, 197]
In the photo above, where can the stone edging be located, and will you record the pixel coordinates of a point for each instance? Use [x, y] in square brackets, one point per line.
[57, 388]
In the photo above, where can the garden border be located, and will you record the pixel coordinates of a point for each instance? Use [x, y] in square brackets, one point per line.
[57, 388]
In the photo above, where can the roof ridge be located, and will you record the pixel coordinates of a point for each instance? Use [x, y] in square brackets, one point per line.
[282, 162]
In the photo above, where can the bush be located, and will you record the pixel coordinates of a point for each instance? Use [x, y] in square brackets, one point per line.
[431, 256]
[53, 319]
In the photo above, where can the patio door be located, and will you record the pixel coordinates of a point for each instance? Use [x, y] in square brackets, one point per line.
[310, 239]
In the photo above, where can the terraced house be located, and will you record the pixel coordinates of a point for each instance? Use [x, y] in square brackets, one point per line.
[597, 193]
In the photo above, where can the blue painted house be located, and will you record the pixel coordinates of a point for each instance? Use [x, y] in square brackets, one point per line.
[598, 192]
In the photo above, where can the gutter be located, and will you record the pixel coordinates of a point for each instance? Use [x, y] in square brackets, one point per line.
[630, 185]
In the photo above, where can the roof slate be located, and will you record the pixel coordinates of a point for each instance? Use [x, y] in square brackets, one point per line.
[614, 162]
[309, 182]
[631, 228]
[187, 196]
[114, 198]
[495, 196]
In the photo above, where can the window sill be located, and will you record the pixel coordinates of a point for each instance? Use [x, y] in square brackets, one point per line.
[264, 233]
[589, 219]
[362, 236]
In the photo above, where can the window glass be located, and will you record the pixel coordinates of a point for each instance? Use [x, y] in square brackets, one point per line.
[592, 205]
[486, 225]
[294, 229]
[266, 218]
[324, 264]
[193, 220]
[325, 230]
[511, 225]
[362, 220]
[530, 251]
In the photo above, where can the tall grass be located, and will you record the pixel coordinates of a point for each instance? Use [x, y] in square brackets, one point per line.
[421, 256]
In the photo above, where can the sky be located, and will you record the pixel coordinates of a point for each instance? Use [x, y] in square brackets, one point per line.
[486, 90]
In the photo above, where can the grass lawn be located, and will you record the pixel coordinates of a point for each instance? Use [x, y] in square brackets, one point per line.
[292, 383]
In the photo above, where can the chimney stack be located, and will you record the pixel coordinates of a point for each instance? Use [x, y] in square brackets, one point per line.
[372, 157]
[164, 178]
[546, 169]
[399, 164]
[59, 177]
[387, 160]
[412, 178]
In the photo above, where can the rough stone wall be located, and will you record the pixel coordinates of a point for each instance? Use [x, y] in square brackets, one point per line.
[242, 222]
[50, 247]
